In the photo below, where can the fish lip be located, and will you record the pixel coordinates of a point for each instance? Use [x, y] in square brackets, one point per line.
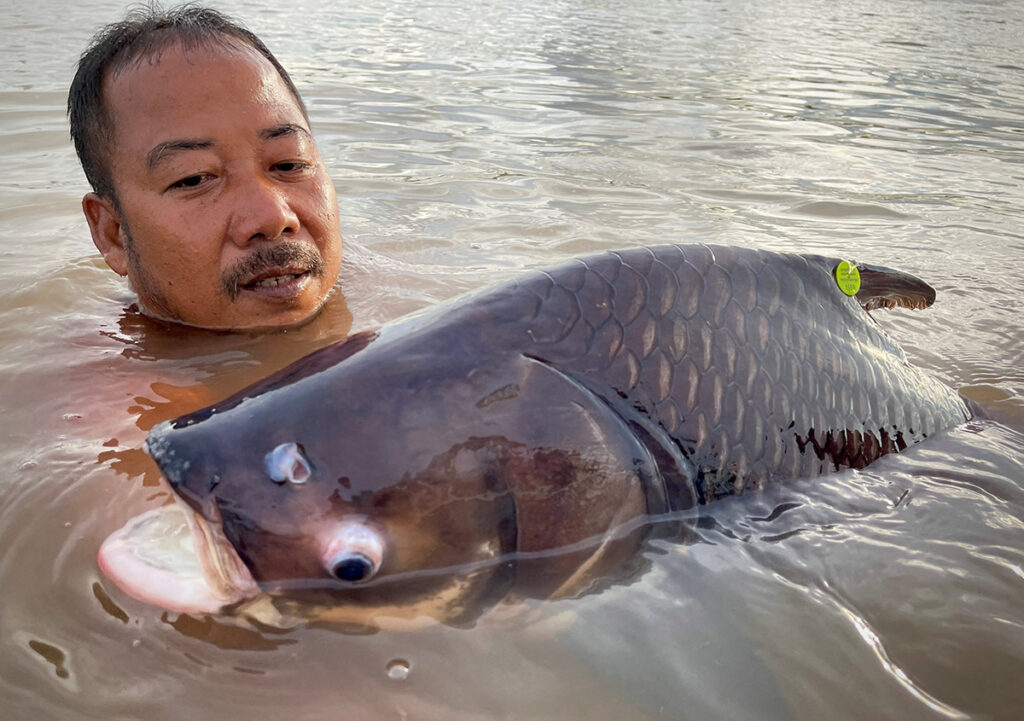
[223, 580]
[223, 568]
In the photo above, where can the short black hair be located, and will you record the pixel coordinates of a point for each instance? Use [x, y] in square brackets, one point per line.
[144, 33]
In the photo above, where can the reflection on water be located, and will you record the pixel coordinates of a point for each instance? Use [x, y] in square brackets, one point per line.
[468, 141]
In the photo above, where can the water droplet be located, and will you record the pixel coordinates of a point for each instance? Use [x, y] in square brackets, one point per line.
[398, 669]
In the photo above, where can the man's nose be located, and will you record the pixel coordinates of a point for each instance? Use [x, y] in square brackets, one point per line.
[262, 212]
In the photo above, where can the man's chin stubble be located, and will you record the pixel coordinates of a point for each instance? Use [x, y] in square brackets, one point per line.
[155, 304]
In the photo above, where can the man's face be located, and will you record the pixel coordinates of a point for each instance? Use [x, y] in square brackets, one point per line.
[228, 218]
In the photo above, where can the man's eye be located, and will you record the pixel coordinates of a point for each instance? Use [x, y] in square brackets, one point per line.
[191, 181]
[291, 166]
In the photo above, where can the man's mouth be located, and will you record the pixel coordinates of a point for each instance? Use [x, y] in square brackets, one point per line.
[274, 271]
[278, 283]
[275, 281]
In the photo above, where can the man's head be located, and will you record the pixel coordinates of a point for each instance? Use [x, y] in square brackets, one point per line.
[209, 192]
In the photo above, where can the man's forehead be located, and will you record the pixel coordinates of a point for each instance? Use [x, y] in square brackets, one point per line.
[187, 66]
[173, 96]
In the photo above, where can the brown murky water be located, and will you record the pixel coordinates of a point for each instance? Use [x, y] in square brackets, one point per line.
[469, 141]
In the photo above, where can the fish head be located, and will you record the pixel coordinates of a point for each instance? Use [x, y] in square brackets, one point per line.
[407, 482]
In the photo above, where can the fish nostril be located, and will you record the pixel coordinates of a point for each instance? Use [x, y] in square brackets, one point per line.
[353, 568]
[287, 463]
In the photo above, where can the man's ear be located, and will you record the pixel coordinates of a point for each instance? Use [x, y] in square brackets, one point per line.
[105, 226]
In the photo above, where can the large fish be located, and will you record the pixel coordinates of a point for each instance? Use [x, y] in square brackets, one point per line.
[516, 441]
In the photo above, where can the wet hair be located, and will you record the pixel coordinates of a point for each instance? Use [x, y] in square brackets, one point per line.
[144, 33]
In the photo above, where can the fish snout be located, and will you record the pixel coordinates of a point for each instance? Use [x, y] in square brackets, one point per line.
[353, 551]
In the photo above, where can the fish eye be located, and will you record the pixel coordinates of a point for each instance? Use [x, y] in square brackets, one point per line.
[353, 568]
[353, 552]
[287, 463]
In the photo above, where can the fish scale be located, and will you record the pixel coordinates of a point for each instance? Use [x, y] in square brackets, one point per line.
[755, 364]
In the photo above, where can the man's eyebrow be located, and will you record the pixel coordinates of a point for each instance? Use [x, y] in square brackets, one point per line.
[284, 129]
[161, 151]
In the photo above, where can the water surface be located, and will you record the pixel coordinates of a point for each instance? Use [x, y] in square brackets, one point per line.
[470, 141]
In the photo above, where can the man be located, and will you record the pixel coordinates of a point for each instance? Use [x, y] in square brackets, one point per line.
[209, 192]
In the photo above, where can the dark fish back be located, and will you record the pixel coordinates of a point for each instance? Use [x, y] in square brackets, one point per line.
[754, 364]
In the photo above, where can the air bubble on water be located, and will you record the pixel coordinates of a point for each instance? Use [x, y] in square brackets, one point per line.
[398, 669]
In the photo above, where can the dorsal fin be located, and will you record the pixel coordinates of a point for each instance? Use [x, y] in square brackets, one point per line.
[882, 287]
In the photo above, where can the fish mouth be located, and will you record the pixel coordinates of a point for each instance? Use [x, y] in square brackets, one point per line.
[173, 558]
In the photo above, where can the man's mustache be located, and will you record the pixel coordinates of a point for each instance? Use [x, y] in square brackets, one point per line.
[297, 257]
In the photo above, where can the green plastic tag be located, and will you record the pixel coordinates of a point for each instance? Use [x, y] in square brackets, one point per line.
[847, 277]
